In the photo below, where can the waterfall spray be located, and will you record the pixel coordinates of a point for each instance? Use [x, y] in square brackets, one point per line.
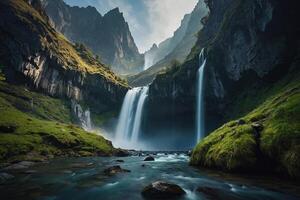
[200, 99]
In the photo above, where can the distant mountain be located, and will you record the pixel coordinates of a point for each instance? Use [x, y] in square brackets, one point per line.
[107, 36]
[175, 48]
[157, 53]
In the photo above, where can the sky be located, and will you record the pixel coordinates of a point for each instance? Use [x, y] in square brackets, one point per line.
[150, 21]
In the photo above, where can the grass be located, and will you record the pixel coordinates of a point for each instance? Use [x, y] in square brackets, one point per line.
[235, 147]
[44, 131]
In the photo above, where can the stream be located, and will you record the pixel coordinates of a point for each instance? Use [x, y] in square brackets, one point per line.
[84, 179]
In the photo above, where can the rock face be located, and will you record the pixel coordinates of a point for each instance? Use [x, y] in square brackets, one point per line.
[248, 45]
[107, 36]
[162, 190]
[174, 48]
[34, 54]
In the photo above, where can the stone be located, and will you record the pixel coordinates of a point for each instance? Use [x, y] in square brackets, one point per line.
[115, 170]
[149, 158]
[120, 161]
[162, 190]
[121, 153]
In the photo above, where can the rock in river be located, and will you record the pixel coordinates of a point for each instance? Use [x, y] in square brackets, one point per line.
[149, 158]
[162, 190]
[115, 170]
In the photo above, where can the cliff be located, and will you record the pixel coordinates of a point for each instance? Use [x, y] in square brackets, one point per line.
[107, 36]
[34, 54]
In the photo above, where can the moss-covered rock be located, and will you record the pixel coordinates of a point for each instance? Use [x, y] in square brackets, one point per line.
[271, 133]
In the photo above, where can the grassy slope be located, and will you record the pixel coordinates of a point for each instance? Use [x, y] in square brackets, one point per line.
[236, 147]
[71, 56]
[41, 131]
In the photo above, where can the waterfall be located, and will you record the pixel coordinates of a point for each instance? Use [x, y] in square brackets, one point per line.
[129, 124]
[200, 99]
[84, 117]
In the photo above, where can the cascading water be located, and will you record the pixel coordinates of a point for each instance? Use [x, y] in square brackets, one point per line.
[84, 117]
[200, 99]
[130, 118]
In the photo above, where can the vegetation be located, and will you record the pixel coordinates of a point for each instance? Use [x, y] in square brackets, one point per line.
[41, 129]
[270, 132]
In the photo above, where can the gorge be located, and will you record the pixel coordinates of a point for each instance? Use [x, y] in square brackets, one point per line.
[210, 112]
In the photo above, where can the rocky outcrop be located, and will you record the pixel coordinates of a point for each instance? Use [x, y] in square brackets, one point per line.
[249, 45]
[34, 54]
[107, 36]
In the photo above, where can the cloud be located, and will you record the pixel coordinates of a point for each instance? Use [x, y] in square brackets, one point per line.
[165, 17]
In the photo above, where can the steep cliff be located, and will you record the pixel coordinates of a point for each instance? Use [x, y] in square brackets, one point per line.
[34, 54]
[252, 55]
[107, 36]
[248, 45]
[174, 48]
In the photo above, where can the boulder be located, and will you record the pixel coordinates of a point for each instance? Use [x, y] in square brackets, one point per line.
[121, 153]
[149, 158]
[162, 190]
[115, 170]
[120, 161]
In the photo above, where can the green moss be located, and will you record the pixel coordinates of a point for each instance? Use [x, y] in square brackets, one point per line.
[234, 147]
[37, 132]
[228, 148]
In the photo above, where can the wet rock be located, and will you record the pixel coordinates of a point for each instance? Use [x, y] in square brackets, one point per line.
[115, 170]
[241, 122]
[149, 158]
[121, 153]
[120, 161]
[20, 165]
[189, 153]
[162, 190]
[5, 177]
[143, 165]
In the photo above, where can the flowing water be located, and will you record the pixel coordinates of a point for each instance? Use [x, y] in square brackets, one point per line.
[83, 116]
[84, 179]
[200, 106]
[129, 124]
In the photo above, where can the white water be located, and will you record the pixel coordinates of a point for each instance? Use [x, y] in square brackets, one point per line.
[84, 117]
[129, 124]
[200, 106]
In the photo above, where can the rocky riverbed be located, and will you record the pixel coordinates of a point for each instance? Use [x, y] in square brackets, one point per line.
[88, 178]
